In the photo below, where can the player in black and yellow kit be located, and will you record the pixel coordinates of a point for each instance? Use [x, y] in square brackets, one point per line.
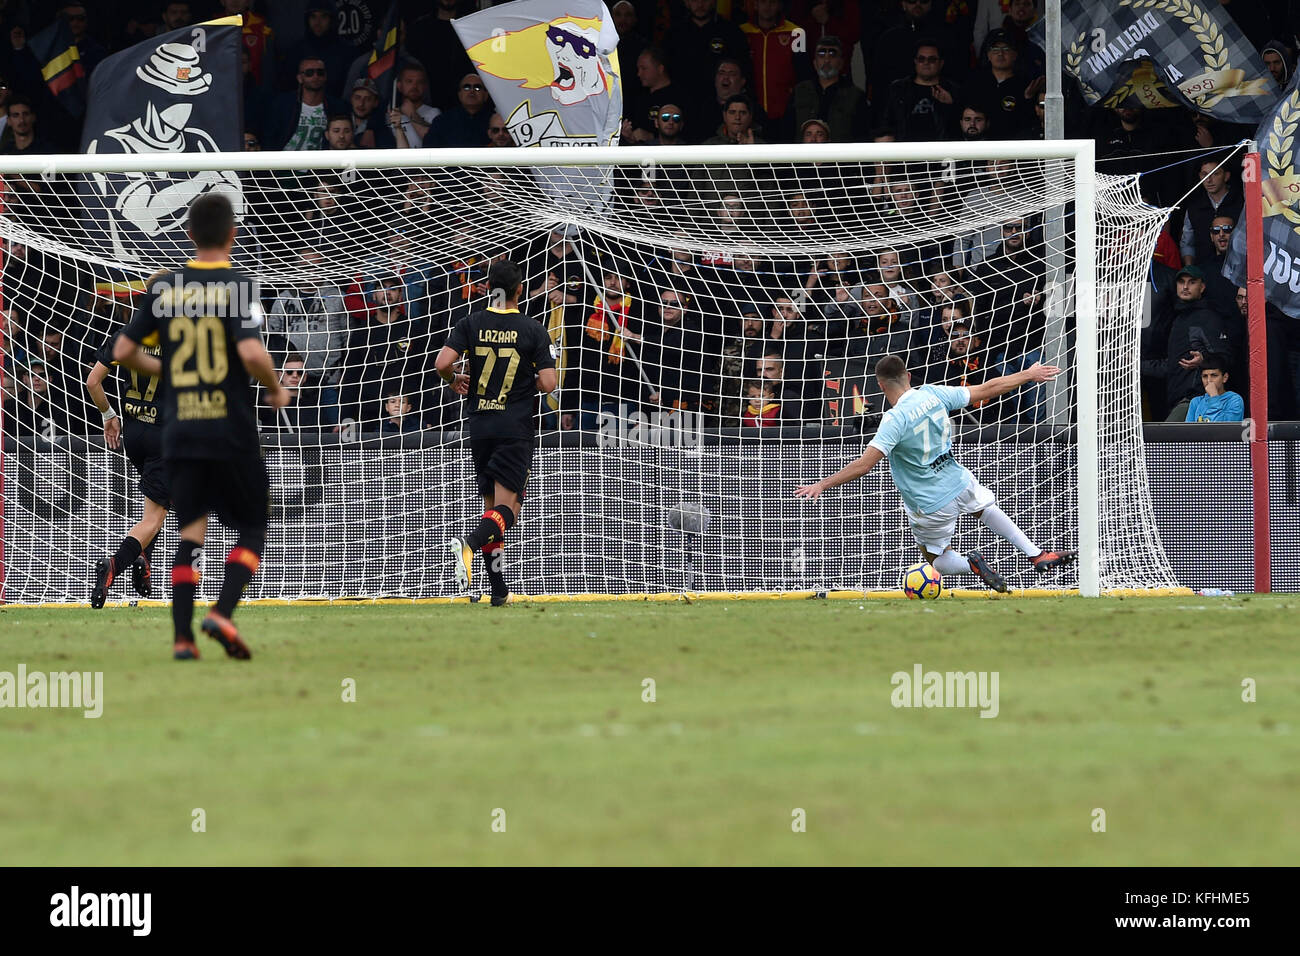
[509, 357]
[138, 430]
[208, 320]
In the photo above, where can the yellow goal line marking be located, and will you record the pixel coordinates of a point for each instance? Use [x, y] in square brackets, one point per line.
[667, 597]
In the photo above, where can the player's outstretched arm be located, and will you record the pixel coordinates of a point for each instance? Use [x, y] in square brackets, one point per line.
[854, 469]
[445, 366]
[1038, 372]
[257, 362]
[95, 388]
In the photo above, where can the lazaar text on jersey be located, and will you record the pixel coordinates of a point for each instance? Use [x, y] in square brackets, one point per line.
[194, 406]
[498, 335]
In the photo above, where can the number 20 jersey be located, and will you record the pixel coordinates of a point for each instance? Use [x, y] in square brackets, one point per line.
[506, 350]
[916, 435]
[201, 313]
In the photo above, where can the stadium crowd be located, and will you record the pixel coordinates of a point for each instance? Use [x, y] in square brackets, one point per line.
[737, 340]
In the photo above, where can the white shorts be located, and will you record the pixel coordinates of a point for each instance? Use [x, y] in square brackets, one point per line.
[934, 531]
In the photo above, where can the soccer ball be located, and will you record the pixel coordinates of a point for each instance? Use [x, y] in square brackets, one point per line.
[922, 582]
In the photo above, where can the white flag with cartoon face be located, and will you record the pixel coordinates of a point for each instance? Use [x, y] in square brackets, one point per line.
[551, 67]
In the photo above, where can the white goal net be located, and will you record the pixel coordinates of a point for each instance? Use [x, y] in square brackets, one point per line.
[716, 322]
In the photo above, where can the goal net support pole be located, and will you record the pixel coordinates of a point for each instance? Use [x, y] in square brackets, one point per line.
[1257, 337]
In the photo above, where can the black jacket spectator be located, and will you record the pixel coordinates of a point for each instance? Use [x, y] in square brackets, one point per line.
[694, 48]
[1195, 328]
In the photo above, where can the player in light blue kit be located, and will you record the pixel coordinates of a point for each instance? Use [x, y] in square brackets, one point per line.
[916, 435]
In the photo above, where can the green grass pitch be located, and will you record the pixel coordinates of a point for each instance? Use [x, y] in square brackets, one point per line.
[1130, 706]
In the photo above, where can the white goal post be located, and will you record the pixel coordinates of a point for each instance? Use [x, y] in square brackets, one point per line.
[832, 252]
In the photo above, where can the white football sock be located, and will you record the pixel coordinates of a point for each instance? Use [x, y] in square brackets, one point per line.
[950, 562]
[996, 520]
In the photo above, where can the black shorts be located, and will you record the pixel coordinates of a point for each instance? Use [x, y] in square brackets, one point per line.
[237, 491]
[504, 461]
[143, 445]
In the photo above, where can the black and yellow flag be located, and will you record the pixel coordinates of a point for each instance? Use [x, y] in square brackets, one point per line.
[61, 68]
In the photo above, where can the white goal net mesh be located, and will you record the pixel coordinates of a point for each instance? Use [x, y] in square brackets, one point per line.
[716, 327]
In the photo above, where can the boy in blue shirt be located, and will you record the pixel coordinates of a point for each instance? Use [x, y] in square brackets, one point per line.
[1217, 404]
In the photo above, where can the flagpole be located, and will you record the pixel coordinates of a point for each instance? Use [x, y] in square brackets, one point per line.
[1055, 339]
[1257, 339]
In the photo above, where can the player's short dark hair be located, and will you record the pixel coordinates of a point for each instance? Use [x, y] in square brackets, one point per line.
[1215, 361]
[506, 276]
[891, 368]
[211, 220]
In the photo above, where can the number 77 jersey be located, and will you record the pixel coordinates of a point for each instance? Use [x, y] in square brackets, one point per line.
[200, 314]
[506, 350]
[916, 436]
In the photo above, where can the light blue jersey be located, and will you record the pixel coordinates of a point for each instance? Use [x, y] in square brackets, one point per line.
[916, 435]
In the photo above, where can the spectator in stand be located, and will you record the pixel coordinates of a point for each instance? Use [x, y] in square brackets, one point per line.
[889, 269]
[64, 364]
[1217, 404]
[466, 123]
[1020, 18]
[1195, 332]
[320, 41]
[828, 276]
[609, 374]
[670, 126]
[762, 408]
[89, 50]
[1006, 90]
[1220, 196]
[829, 18]
[23, 140]
[737, 123]
[338, 132]
[974, 123]
[313, 321]
[923, 106]
[413, 118]
[696, 44]
[992, 192]
[1220, 291]
[175, 15]
[893, 49]
[1009, 290]
[369, 126]
[498, 133]
[929, 344]
[432, 41]
[814, 131]
[304, 412]
[779, 61]
[1038, 128]
[830, 97]
[381, 348]
[30, 414]
[656, 90]
[298, 120]
[1283, 359]
[672, 353]
[993, 15]
[964, 363]
[251, 142]
[259, 40]
[728, 81]
[398, 419]
[630, 40]
[1277, 57]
